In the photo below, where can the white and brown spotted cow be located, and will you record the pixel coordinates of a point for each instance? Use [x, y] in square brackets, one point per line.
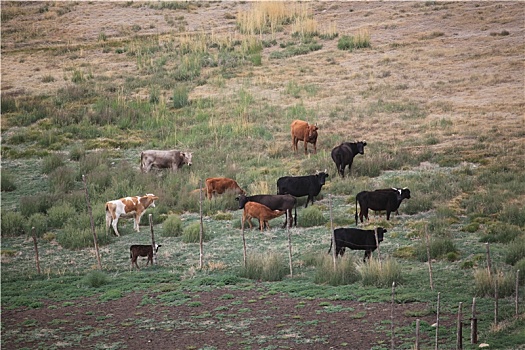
[172, 159]
[128, 207]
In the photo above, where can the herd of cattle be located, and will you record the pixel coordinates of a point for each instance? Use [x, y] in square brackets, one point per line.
[265, 207]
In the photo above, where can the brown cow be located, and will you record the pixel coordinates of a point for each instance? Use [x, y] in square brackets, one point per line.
[129, 207]
[302, 131]
[137, 250]
[261, 212]
[219, 185]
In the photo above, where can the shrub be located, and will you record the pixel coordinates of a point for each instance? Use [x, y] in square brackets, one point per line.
[520, 265]
[439, 247]
[12, 223]
[39, 203]
[191, 233]
[172, 226]
[95, 279]
[59, 214]
[52, 162]
[345, 271]
[7, 181]
[73, 238]
[265, 267]
[180, 96]
[61, 180]
[311, 216]
[39, 222]
[374, 273]
[515, 251]
[77, 152]
[484, 283]
[500, 232]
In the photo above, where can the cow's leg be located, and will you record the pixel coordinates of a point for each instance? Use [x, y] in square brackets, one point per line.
[368, 253]
[315, 148]
[137, 222]
[134, 262]
[305, 146]
[365, 214]
[115, 228]
[388, 214]
[108, 221]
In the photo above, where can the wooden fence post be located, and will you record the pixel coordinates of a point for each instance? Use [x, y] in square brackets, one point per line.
[496, 297]
[429, 259]
[474, 324]
[290, 249]
[517, 291]
[150, 217]
[244, 240]
[489, 262]
[334, 256]
[459, 326]
[95, 242]
[437, 320]
[201, 230]
[417, 346]
[378, 252]
[36, 250]
[392, 339]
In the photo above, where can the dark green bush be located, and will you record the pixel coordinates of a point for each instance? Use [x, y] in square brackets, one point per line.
[95, 279]
[500, 232]
[61, 180]
[515, 251]
[12, 223]
[59, 214]
[8, 181]
[311, 216]
[439, 248]
[191, 233]
[265, 267]
[180, 96]
[52, 162]
[39, 222]
[172, 226]
[345, 271]
[39, 203]
[77, 151]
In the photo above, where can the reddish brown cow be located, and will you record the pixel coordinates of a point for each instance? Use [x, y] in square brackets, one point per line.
[302, 131]
[219, 185]
[129, 207]
[259, 211]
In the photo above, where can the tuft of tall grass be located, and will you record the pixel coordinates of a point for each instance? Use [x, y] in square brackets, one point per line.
[265, 267]
[12, 223]
[375, 273]
[59, 214]
[74, 238]
[172, 226]
[95, 279]
[191, 233]
[52, 162]
[515, 251]
[39, 222]
[311, 216]
[359, 41]
[8, 182]
[500, 232]
[39, 203]
[61, 180]
[485, 283]
[345, 271]
[439, 248]
[180, 96]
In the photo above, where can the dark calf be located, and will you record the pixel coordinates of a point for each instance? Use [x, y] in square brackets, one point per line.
[357, 239]
[143, 250]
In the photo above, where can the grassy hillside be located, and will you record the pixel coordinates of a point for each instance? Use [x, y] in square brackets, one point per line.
[435, 88]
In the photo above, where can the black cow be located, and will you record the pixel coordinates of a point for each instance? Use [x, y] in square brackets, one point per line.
[344, 154]
[357, 239]
[383, 199]
[274, 202]
[137, 250]
[299, 186]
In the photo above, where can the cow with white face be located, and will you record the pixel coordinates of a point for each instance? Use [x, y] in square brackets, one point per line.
[128, 207]
[172, 159]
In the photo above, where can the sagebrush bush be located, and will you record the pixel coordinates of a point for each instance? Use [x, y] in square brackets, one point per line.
[191, 234]
[73, 237]
[265, 267]
[374, 273]
[172, 226]
[12, 223]
[345, 271]
[311, 216]
[59, 214]
[77, 151]
[95, 279]
[485, 283]
[39, 222]
[8, 182]
[515, 251]
[39, 203]
[52, 162]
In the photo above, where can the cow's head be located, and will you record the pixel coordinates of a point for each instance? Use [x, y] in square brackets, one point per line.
[186, 157]
[312, 132]
[242, 201]
[157, 246]
[321, 176]
[151, 198]
[361, 146]
[405, 193]
[380, 233]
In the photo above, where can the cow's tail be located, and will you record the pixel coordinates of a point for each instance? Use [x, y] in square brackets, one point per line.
[108, 218]
[141, 162]
[295, 217]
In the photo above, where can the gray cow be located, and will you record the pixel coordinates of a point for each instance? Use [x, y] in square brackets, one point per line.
[173, 159]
